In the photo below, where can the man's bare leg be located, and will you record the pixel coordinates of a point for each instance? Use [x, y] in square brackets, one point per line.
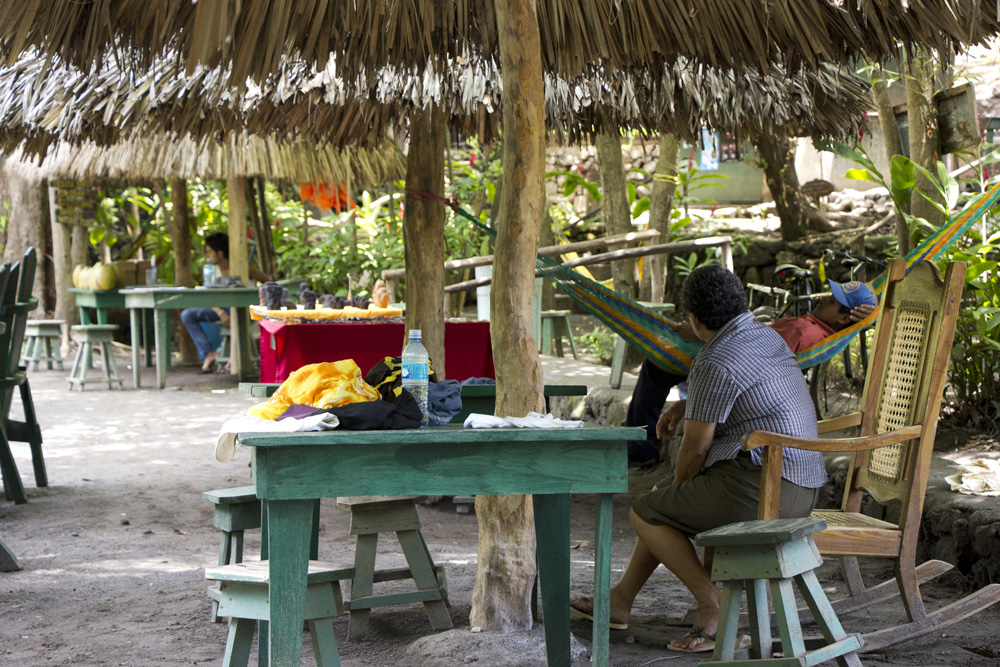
[674, 549]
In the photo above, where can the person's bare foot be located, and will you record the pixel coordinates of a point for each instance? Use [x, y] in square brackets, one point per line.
[619, 611]
[209, 362]
[703, 632]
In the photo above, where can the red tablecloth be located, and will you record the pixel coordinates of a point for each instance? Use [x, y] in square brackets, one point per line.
[287, 347]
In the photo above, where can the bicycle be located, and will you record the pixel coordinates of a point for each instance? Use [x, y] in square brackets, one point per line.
[797, 295]
[836, 385]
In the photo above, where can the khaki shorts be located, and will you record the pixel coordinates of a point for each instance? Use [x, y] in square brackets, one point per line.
[727, 492]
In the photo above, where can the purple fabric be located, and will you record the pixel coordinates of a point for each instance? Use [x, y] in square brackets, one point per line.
[297, 411]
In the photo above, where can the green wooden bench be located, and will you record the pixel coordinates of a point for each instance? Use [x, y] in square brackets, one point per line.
[371, 515]
[244, 596]
[234, 510]
[88, 335]
[42, 342]
[779, 555]
[555, 326]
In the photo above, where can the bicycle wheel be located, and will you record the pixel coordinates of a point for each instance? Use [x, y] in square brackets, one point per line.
[836, 385]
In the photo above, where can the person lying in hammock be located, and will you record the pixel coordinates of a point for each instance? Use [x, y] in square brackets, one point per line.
[849, 303]
[745, 378]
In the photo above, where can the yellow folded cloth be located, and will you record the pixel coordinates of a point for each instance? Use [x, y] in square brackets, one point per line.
[324, 385]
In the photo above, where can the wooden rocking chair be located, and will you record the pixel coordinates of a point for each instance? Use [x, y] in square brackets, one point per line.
[891, 458]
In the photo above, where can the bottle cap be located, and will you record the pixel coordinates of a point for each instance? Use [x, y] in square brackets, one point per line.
[414, 334]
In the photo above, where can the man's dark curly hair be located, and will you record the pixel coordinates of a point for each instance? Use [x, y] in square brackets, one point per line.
[218, 242]
[714, 294]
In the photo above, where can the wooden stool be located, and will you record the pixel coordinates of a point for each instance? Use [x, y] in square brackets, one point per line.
[753, 555]
[88, 335]
[371, 515]
[618, 359]
[236, 510]
[243, 596]
[42, 340]
[555, 325]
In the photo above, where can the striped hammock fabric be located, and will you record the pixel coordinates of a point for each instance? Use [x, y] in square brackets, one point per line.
[656, 336]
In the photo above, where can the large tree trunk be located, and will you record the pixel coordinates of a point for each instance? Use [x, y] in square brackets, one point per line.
[893, 146]
[180, 233]
[24, 190]
[777, 158]
[501, 594]
[925, 139]
[616, 212]
[262, 232]
[423, 235]
[661, 206]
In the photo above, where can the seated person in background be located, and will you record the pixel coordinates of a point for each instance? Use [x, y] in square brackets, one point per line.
[217, 253]
[849, 303]
[744, 379]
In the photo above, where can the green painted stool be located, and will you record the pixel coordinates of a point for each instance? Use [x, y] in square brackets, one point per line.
[88, 335]
[236, 510]
[780, 554]
[371, 515]
[244, 597]
[42, 340]
[555, 325]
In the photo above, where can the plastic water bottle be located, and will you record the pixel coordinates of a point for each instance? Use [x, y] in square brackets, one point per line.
[415, 371]
[209, 273]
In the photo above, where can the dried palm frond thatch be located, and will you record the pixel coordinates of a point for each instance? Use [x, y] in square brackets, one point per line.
[41, 104]
[143, 157]
[251, 37]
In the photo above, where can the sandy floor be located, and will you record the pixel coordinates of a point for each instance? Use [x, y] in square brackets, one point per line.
[115, 547]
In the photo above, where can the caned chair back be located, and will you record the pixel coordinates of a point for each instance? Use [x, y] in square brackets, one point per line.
[905, 381]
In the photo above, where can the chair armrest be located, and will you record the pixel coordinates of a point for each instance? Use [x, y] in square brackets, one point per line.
[838, 423]
[756, 439]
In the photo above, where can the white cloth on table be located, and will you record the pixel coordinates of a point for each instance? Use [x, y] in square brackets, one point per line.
[225, 447]
[532, 420]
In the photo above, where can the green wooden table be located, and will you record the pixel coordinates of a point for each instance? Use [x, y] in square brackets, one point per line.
[291, 470]
[98, 300]
[160, 300]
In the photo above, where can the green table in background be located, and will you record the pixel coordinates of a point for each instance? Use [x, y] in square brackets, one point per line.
[161, 300]
[291, 470]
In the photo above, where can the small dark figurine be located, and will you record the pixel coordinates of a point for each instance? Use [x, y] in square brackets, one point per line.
[339, 302]
[326, 301]
[307, 297]
[272, 295]
[286, 299]
[361, 302]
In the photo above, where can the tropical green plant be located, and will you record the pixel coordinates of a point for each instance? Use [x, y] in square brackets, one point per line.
[600, 342]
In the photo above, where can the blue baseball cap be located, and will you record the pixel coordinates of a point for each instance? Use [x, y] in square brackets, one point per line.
[852, 294]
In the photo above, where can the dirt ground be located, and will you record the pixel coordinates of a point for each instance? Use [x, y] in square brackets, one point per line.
[114, 549]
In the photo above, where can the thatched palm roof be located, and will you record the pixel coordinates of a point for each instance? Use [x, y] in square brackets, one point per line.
[42, 103]
[253, 36]
[144, 157]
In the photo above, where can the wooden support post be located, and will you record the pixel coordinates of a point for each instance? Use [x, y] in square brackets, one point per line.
[180, 233]
[239, 264]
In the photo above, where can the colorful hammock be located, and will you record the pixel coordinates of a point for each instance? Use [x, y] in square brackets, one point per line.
[656, 336]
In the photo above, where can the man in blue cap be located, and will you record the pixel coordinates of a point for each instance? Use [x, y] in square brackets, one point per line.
[848, 303]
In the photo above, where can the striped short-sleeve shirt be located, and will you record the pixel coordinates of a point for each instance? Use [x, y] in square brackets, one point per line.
[746, 379]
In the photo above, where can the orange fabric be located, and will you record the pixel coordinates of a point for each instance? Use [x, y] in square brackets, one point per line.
[323, 385]
[326, 196]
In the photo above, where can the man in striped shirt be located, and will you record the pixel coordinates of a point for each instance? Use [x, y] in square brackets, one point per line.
[744, 379]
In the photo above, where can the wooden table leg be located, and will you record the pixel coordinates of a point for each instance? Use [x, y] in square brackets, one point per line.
[552, 539]
[602, 581]
[288, 523]
[133, 319]
[161, 325]
[241, 341]
[147, 331]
